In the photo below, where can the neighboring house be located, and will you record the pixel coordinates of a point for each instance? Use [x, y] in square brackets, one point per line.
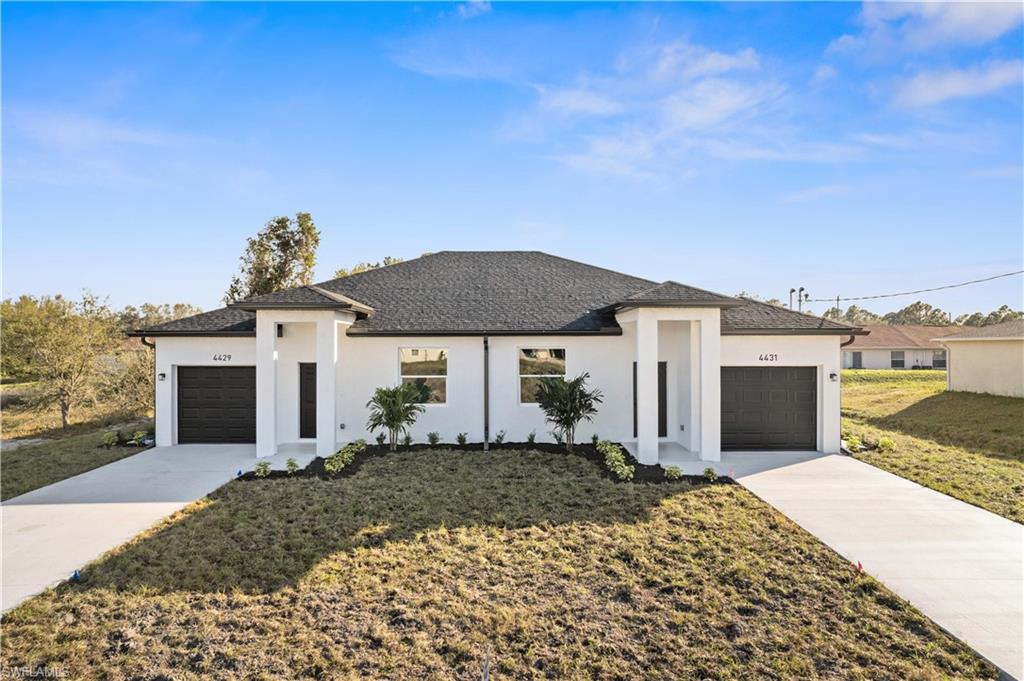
[898, 347]
[475, 331]
[987, 359]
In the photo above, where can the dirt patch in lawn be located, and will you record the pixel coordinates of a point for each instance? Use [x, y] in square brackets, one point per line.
[431, 564]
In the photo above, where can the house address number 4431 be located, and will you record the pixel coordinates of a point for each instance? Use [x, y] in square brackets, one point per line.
[768, 357]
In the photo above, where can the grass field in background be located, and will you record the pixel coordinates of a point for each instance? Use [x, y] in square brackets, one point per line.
[967, 445]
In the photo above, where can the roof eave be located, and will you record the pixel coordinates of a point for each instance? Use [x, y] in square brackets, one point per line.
[606, 331]
[794, 332]
[142, 333]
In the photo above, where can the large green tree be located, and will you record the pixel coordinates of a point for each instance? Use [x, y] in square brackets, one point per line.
[918, 313]
[361, 267]
[59, 343]
[150, 314]
[281, 255]
[1004, 314]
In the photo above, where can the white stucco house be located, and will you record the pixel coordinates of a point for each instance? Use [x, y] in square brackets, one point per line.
[987, 359]
[679, 367]
[898, 347]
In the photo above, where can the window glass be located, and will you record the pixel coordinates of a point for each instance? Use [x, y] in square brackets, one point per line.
[896, 359]
[535, 365]
[427, 369]
[939, 359]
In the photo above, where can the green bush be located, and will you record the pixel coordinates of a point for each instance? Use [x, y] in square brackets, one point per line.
[673, 473]
[292, 466]
[594, 439]
[566, 403]
[886, 444]
[407, 440]
[394, 410]
[557, 434]
[461, 438]
[124, 437]
[338, 461]
[380, 439]
[109, 439]
[853, 443]
[433, 437]
[710, 475]
[138, 436]
[262, 469]
[499, 437]
[532, 437]
[615, 460]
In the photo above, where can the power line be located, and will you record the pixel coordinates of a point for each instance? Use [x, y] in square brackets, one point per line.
[923, 290]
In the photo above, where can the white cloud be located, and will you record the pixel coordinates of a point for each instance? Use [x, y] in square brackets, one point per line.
[693, 61]
[69, 130]
[819, 192]
[468, 10]
[998, 172]
[577, 101]
[920, 26]
[712, 102]
[933, 87]
[823, 74]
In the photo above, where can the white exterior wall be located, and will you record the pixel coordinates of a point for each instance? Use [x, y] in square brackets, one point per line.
[882, 359]
[174, 352]
[821, 352]
[987, 366]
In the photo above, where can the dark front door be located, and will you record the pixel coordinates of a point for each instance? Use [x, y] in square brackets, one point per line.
[765, 408]
[662, 399]
[858, 360]
[307, 400]
[216, 405]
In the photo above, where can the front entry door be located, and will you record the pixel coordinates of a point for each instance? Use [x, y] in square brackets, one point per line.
[307, 400]
[662, 399]
[858, 360]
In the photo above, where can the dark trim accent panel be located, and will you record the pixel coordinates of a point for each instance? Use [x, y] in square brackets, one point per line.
[307, 400]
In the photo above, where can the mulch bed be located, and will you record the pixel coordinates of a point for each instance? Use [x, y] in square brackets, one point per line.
[642, 473]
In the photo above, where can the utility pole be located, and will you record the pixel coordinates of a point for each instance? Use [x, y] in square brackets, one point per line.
[838, 312]
[800, 300]
[791, 292]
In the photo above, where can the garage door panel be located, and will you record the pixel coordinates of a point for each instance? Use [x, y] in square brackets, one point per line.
[769, 408]
[216, 405]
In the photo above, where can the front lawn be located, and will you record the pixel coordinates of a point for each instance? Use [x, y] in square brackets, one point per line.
[966, 445]
[33, 466]
[435, 564]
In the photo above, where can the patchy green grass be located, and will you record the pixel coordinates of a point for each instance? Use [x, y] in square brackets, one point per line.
[966, 445]
[429, 564]
[33, 466]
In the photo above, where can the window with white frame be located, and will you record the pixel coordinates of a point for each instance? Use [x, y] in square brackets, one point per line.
[896, 359]
[939, 359]
[427, 369]
[535, 365]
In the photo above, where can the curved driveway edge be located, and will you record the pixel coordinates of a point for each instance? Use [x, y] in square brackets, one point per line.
[52, 531]
[960, 565]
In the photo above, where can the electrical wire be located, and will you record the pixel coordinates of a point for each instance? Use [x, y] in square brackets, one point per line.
[910, 293]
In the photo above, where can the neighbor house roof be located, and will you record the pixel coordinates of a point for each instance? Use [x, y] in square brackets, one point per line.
[909, 337]
[498, 292]
[1007, 330]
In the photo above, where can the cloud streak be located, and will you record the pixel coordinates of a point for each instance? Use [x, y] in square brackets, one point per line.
[934, 87]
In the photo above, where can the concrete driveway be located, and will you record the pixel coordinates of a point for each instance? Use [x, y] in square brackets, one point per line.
[51, 532]
[960, 565]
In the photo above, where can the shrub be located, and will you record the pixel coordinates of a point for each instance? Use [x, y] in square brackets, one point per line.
[394, 410]
[557, 434]
[124, 437]
[566, 403]
[407, 440]
[594, 439]
[461, 438]
[292, 466]
[138, 436]
[380, 439]
[673, 473]
[433, 437]
[109, 439]
[615, 460]
[853, 443]
[337, 462]
[532, 437]
[262, 469]
[710, 475]
[499, 437]
[886, 444]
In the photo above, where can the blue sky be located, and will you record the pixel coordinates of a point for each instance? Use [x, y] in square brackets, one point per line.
[850, 149]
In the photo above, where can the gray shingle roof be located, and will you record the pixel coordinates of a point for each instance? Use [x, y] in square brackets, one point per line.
[674, 293]
[499, 292]
[1011, 329]
[226, 321]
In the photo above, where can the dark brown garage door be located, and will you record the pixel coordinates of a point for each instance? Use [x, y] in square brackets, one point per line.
[766, 408]
[216, 405]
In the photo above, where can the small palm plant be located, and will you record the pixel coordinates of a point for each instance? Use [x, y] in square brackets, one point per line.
[394, 410]
[566, 403]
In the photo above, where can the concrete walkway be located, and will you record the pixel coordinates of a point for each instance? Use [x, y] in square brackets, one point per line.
[961, 566]
[51, 532]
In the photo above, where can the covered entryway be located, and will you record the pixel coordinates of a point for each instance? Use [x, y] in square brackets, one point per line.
[216, 405]
[769, 408]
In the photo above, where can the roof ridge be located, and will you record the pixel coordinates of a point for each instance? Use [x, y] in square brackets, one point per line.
[798, 312]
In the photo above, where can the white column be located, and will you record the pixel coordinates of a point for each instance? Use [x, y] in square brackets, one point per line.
[326, 363]
[646, 387]
[163, 400]
[711, 387]
[266, 388]
[693, 442]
